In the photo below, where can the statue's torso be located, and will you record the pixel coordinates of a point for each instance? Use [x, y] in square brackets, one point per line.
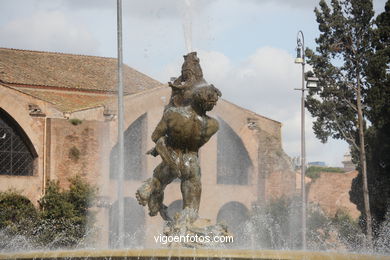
[187, 129]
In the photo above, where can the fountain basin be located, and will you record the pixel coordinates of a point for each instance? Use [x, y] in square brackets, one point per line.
[192, 254]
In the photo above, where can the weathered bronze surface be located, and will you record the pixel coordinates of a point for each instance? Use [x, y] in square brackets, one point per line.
[183, 86]
[183, 129]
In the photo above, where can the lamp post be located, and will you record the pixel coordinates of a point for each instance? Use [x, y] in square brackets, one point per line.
[311, 83]
[120, 128]
[300, 59]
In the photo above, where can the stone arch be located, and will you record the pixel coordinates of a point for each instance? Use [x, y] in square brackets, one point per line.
[233, 161]
[234, 214]
[134, 224]
[135, 148]
[17, 153]
[175, 207]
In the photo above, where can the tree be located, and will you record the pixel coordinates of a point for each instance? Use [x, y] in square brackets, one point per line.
[378, 134]
[16, 210]
[274, 225]
[65, 215]
[18, 217]
[63, 221]
[339, 62]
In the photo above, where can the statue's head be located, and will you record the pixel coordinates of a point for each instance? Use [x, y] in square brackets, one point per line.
[191, 57]
[191, 66]
[206, 97]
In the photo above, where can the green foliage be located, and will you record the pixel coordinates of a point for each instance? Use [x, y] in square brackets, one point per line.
[278, 225]
[313, 172]
[349, 233]
[55, 204]
[280, 210]
[65, 213]
[75, 121]
[353, 50]
[326, 232]
[271, 224]
[274, 224]
[74, 153]
[378, 135]
[341, 54]
[318, 229]
[81, 194]
[63, 220]
[378, 163]
[18, 217]
[16, 210]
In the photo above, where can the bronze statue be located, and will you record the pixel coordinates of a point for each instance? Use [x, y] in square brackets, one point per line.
[191, 77]
[183, 129]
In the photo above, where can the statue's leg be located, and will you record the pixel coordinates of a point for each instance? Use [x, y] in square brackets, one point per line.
[152, 191]
[143, 193]
[162, 176]
[150, 186]
[191, 187]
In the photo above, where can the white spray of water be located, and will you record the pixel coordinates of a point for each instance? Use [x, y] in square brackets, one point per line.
[187, 25]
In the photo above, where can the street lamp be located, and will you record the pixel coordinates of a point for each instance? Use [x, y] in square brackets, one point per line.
[310, 84]
[120, 128]
[300, 59]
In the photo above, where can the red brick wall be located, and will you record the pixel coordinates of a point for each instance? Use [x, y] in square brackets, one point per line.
[280, 184]
[331, 192]
[76, 150]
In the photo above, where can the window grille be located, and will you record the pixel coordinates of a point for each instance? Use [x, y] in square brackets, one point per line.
[15, 157]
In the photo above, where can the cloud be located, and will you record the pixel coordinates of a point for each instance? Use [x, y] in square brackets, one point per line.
[267, 75]
[309, 4]
[152, 9]
[50, 31]
[215, 65]
[294, 4]
[264, 82]
[261, 79]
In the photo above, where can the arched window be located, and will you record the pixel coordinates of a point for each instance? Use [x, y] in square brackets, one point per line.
[135, 149]
[233, 162]
[17, 153]
[235, 215]
[133, 223]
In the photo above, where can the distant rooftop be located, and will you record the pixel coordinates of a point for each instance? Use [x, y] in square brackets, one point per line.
[46, 75]
[317, 163]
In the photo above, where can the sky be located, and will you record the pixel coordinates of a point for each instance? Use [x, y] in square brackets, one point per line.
[246, 48]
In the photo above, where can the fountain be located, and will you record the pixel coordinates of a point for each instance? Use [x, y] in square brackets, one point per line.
[183, 129]
[141, 254]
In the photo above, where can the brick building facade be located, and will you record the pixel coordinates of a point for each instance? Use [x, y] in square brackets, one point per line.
[58, 119]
